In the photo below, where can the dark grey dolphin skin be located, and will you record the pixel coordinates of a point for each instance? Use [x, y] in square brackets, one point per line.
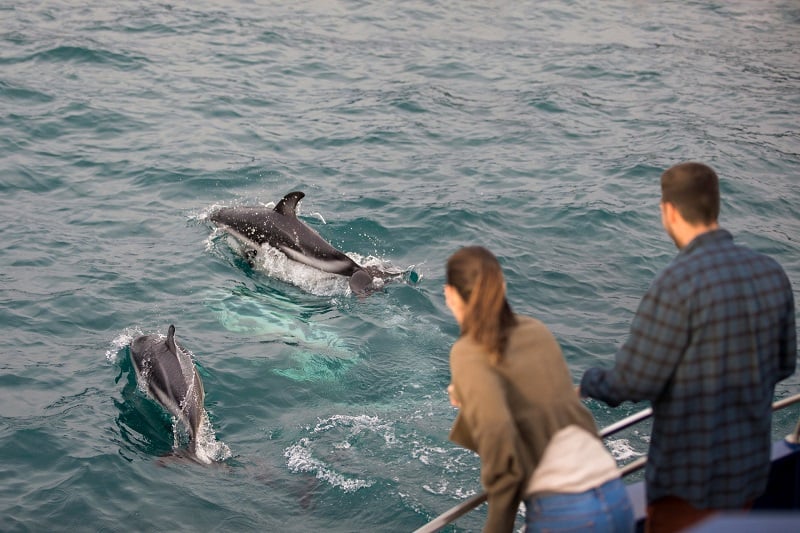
[169, 376]
[281, 229]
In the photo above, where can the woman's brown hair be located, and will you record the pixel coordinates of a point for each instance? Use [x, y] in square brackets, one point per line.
[476, 274]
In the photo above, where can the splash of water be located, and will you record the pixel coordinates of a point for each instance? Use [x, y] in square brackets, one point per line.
[120, 342]
[337, 437]
[621, 449]
[208, 449]
[299, 458]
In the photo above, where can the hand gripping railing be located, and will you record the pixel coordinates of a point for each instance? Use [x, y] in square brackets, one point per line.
[452, 514]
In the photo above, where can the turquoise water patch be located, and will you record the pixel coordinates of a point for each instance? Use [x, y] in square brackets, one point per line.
[313, 351]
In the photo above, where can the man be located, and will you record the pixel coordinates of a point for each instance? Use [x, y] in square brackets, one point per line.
[711, 337]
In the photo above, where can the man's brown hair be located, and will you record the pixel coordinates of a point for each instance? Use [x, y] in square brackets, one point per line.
[693, 188]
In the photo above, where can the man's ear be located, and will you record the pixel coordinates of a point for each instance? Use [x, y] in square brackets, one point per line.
[669, 211]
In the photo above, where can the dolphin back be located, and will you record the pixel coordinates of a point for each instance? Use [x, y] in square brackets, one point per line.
[248, 223]
[168, 374]
[281, 229]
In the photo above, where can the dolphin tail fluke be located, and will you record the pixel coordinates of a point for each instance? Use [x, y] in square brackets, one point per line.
[171, 339]
[360, 282]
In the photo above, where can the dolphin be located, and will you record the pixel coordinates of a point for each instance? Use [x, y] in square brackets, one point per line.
[166, 371]
[281, 229]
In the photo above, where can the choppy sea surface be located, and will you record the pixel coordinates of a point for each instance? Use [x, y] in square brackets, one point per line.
[537, 129]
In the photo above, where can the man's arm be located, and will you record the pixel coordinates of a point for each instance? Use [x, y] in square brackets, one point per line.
[646, 362]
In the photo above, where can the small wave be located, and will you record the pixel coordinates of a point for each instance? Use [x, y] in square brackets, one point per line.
[24, 94]
[357, 425]
[300, 459]
[82, 54]
[465, 493]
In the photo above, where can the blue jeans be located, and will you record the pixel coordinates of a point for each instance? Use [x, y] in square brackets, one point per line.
[605, 508]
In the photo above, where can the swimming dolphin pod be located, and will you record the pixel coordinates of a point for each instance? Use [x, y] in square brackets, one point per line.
[168, 374]
[281, 229]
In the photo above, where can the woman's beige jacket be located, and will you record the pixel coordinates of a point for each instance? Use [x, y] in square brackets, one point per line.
[510, 411]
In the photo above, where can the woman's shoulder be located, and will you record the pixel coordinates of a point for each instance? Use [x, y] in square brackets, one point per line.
[532, 332]
[523, 320]
[466, 346]
[467, 353]
[530, 324]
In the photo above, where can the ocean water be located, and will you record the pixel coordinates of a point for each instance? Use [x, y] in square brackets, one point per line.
[537, 129]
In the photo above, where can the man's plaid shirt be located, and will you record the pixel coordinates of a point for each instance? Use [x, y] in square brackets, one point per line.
[711, 337]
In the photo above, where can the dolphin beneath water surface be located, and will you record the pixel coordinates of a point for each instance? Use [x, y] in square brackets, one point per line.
[281, 229]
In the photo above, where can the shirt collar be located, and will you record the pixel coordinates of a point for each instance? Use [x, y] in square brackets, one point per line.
[711, 237]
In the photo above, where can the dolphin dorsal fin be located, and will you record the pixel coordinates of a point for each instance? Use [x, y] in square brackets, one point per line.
[288, 204]
[171, 339]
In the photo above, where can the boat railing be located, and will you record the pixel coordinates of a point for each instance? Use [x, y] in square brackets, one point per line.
[454, 513]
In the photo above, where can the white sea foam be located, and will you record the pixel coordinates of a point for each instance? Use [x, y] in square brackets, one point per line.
[356, 425]
[299, 458]
[119, 342]
[424, 453]
[338, 438]
[621, 449]
[275, 264]
[208, 448]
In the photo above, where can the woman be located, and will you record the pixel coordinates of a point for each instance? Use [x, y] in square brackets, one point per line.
[519, 412]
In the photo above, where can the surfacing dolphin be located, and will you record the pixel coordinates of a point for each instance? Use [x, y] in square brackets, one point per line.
[166, 371]
[281, 229]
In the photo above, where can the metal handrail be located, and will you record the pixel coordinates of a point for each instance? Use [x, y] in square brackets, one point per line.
[452, 514]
